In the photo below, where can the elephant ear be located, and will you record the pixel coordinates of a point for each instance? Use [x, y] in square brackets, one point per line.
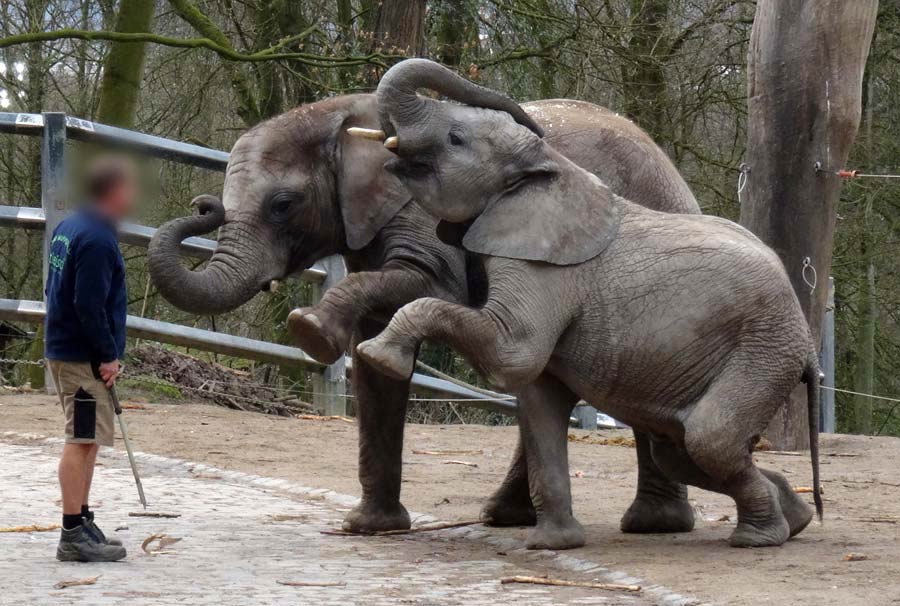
[548, 219]
[369, 196]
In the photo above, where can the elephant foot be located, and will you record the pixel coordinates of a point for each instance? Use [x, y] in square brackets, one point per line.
[764, 528]
[649, 515]
[556, 534]
[502, 510]
[390, 359]
[316, 334]
[795, 510]
[368, 518]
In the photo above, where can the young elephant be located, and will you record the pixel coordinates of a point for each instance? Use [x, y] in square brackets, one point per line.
[683, 326]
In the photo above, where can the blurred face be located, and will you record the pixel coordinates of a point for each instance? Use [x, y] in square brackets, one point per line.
[119, 201]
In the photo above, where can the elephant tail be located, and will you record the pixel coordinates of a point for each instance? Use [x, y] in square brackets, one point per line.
[812, 376]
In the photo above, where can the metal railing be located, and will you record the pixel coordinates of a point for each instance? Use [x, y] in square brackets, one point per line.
[54, 129]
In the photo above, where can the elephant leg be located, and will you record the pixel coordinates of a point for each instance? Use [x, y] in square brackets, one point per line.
[545, 406]
[381, 412]
[661, 504]
[511, 505]
[323, 331]
[797, 513]
[502, 345]
[719, 435]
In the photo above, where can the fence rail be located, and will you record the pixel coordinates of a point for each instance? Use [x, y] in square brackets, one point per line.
[54, 129]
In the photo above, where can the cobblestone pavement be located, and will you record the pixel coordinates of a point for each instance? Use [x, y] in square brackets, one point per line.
[242, 534]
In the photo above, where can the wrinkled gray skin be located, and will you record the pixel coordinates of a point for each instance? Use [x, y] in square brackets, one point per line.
[685, 327]
[298, 189]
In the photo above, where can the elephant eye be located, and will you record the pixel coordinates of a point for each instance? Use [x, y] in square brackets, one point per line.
[455, 139]
[281, 203]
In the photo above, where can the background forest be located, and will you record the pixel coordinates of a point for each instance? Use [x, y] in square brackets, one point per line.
[206, 70]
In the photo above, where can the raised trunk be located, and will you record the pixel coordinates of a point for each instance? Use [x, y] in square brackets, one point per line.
[232, 277]
[397, 94]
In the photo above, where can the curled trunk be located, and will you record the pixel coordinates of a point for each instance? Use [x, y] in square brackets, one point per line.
[397, 94]
[232, 276]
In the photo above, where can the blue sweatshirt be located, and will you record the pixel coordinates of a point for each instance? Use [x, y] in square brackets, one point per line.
[86, 299]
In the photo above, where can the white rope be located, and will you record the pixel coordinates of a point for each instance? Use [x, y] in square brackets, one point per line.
[857, 393]
[742, 180]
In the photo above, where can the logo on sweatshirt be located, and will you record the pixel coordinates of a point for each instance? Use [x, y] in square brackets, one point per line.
[59, 254]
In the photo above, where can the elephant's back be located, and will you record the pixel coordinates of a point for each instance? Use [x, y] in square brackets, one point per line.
[617, 151]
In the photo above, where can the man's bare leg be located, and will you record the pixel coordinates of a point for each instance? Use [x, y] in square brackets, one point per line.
[73, 479]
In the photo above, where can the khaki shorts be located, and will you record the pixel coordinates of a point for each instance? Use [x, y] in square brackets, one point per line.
[85, 402]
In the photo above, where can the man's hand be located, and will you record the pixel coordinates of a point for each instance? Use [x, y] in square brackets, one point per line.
[109, 371]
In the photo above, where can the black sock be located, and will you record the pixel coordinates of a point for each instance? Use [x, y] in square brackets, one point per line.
[71, 521]
[87, 513]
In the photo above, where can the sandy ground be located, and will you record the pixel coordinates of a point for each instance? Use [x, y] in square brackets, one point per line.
[860, 474]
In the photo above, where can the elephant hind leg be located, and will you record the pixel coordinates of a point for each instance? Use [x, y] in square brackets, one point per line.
[719, 435]
[511, 505]
[661, 504]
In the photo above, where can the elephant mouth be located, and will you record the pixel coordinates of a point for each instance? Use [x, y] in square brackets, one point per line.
[409, 169]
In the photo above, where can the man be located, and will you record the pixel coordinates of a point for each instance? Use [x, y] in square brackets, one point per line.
[85, 338]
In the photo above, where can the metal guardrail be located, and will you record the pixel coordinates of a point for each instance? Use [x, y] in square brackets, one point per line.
[54, 129]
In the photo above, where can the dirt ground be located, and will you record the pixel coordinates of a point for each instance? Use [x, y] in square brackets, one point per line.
[860, 477]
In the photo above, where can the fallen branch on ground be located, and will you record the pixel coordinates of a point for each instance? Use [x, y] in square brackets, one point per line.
[76, 582]
[877, 520]
[455, 462]
[324, 418]
[386, 533]
[808, 489]
[856, 557]
[626, 441]
[164, 541]
[31, 528]
[562, 583]
[447, 453]
[794, 453]
[152, 514]
[310, 584]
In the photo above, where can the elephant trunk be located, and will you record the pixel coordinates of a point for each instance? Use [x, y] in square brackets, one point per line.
[232, 276]
[397, 97]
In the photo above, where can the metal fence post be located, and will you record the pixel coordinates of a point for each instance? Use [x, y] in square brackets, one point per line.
[330, 386]
[826, 359]
[53, 198]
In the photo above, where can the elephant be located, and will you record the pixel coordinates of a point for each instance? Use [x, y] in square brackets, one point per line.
[685, 327]
[298, 189]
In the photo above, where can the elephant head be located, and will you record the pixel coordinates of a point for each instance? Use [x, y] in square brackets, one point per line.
[297, 188]
[484, 165]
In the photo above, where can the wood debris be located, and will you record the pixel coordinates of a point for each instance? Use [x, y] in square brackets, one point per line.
[448, 453]
[563, 583]
[458, 462]
[385, 533]
[162, 541]
[311, 584]
[288, 517]
[808, 489]
[626, 441]
[132, 594]
[31, 528]
[795, 453]
[152, 514]
[878, 520]
[76, 582]
[132, 406]
[307, 417]
[855, 557]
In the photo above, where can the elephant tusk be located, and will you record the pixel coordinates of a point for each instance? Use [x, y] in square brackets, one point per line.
[392, 143]
[366, 133]
[274, 285]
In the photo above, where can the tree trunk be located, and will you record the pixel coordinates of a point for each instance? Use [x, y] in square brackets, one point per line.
[644, 76]
[806, 65]
[123, 67]
[401, 27]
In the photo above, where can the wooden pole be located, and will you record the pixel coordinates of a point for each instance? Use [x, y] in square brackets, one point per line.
[806, 65]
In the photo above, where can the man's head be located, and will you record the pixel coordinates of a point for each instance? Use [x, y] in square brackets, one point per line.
[111, 186]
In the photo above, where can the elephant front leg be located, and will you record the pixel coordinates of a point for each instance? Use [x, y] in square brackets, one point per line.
[508, 352]
[545, 406]
[661, 504]
[381, 413]
[324, 330]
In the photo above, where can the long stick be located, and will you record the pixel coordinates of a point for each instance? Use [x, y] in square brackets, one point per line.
[387, 533]
[562, 583]
[134, 470]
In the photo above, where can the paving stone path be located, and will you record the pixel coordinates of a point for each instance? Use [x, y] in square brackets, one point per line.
[242, 534]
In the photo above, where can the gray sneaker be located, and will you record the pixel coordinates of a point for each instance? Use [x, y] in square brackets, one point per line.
[77, 545]
[91, 527]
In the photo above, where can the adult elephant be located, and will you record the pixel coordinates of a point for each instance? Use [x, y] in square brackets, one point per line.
[298, 188]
